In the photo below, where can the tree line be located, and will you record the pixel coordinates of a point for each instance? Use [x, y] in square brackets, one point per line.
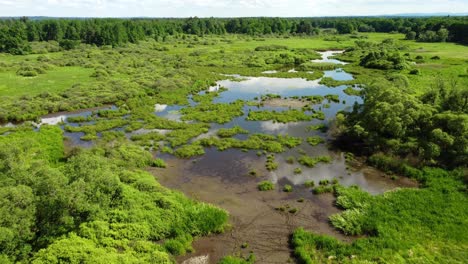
[16, 33]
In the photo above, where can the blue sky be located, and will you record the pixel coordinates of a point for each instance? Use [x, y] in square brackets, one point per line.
[225, 8]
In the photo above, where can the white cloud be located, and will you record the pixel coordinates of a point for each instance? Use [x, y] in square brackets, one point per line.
[225, 8]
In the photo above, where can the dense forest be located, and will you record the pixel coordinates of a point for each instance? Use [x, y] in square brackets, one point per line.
[16, 33]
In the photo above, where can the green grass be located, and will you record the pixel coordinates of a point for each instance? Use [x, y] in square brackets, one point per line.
[54, 81]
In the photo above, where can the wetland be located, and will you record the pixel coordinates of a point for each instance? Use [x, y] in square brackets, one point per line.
[231, 148]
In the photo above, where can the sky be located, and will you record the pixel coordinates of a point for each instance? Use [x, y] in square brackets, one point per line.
[225, 8]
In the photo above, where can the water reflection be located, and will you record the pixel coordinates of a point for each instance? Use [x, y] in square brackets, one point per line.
[252, 87]
[270, 72]
[159, 107]
[171, 112]
[339, 75]
[274, 127]
[326, 57]
[53, 120]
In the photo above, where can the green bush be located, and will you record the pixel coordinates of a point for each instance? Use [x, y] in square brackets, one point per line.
[314, 141]
[159, 163]
[188, 151]
[266, 186]
[229, 132]
[271, 48]
[312, 161]
[271, 165]
[415, 72]
[237, 260]
[287, 188]
[309, 184]
[384, 60]
[290, 160]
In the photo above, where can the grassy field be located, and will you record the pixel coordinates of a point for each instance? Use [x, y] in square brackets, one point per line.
[54, 81]
[229, 53]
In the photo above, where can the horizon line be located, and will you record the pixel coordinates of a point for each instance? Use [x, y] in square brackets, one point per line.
[441, 14]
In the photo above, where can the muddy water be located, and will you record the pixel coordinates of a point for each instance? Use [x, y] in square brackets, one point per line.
[253, 216]
[222, 178]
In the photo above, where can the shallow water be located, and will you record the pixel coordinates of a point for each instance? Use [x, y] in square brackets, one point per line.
[73, 139]
[222, 178]
[326, 57]
[170, 112]
[251, 88]
[339, 75]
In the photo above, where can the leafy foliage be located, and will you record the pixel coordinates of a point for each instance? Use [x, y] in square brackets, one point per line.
[266, 186]
[96, 206]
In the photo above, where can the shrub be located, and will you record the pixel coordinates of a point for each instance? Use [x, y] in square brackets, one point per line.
[309, 184]
[320, 127]
[287, 188]
[384, 60]
[270, 163]
[312, 161]
[415, 72]
[188, 151]
[266, 186]
[351, 91]
[351, 197]
[314, 141]
[323, 189]
[349, 221]
[237, 260]
[69, 44]
[271, 48]
[324, 182]
[297, 171]
[159, 163]
[253, 173]
[229, 132]
[27, 73]
[180, 245]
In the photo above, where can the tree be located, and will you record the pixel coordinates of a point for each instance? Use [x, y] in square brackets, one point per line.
[17, 223]
[411, 35]
[52, 30]
[344, 28]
